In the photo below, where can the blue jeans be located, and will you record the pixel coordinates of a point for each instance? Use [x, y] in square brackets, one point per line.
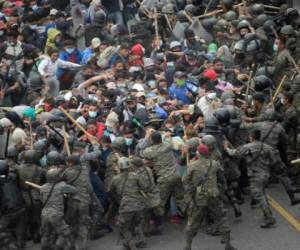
[117, 17]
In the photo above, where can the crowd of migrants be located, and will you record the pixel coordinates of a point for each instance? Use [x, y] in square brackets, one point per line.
[121, 115]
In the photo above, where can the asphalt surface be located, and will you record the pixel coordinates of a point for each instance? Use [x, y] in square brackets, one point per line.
[246, 232]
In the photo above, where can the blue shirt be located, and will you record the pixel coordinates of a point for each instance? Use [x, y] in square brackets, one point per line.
[179, 93]
[86, 55]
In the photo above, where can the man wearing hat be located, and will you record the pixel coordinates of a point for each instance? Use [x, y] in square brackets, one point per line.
[88, 53]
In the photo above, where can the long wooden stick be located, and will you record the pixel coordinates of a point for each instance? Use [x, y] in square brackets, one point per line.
[218, 11]
[187, 16]
[271, 7]
[295, 161]
[279, 88]
[31, 184]
[67, 146]
[168, 22]
[207, 7]
[88, 135]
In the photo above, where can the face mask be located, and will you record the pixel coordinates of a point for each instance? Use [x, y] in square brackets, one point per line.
[2, 32]
[282, 100]
[129, 141]
[70, 50]
[93, 97]
[11, 44]
[180, 83]
[92, 114]
[33, 27]
[93, 131]
[275, 48]
[104, 148]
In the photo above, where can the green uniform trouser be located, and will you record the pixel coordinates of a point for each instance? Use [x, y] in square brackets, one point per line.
[55, 231]
[257, 188]
[167, 187]
[130, 226]
[196, 215]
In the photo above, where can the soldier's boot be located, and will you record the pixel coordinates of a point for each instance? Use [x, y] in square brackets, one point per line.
[293, 199]
[269, 223]
[188, 241]
[226, 240]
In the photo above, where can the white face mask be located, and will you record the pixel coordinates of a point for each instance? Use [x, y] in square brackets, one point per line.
[33, 27]
[275, 48]
[2, 32]
[92, 114]
[70, 50]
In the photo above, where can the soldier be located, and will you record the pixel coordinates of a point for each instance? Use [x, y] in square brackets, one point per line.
[203, 196]
[296, 92]
[127, 189]
[259, 158]
[151, 195]
[41, 148]
[12, 208]
[162, 158]
[29, 171]
[54, 160]
[78, 216]
[53, 222]
[12, 158]
[119, 149]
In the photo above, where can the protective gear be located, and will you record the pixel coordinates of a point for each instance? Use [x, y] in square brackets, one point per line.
[53, 175]
[92, 114]
[40, 146]
[99, 17]
[296, 79]
[190, 9]
[287, 30]
[3, 167]
[208, 23]
[222, 23]
[181, 17]
[270, 115]
[240, 45]
[222, 115]
[12, 152]
[30, 156]
[123, 163]
[244, 24]
[192, 145]
[211, 125]
[129, 141]
[119, 144]
[210, 141]
[261, 19]
[54, 158]
[228, 3]
[70, 50]
[36, 83]
[168, 9]
[257, 9]
[262, 82]
[230, 16]
[137, 161]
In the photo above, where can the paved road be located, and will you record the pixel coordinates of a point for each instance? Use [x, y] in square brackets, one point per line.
[246, 233]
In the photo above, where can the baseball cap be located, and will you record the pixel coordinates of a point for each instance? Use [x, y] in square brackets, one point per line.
[175, 44]
[53, 12]
[96, 42]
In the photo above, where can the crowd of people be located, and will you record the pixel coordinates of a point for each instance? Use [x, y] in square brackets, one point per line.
[127, 115]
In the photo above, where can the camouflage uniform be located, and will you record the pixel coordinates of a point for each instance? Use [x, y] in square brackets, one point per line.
[78, 215]
[111, 169]
[282, 66]
[53, 222]
[168, 179]
[127, 188]
[259, 158]
[33, 173]
[203, 197]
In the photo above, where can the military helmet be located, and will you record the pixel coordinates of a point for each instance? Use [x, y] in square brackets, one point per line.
[230, 16]
[53, 175]
[12, 152]
[261, 71]
[257, 9]
[211, 125]
[40, 146]
[119, 143]
[192, 144]
[169, 8]
[262, 82]
[136, 161]
[240, 45]
[99, 17]
[261, 19]
[208, 23]
[268, 25]
[270, 115]
[54, 158]
[210, 141]
[243, 25]
[123, 163]
[36, 82]
[182, 17]
[30, 156]
[222, 115]
[180, 4]
[287, 30]
[3, 167]
[190, 9]
[228, 3]
[222, 23]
